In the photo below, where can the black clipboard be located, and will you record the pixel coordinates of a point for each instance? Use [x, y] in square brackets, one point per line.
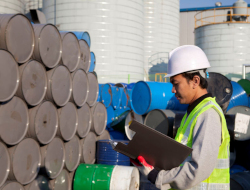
[159, 150]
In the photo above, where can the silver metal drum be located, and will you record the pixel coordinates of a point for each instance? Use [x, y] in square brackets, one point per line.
[88, 145]
[9, 76]
[53, 158]
[4, 163]
[80, 87]
[104, 136]
[62, 182]
[25, 161]
[17, 36]
[72, 154]
[59, 85]
[99, 118]
[85, 56]
[12, 185]
[48, 45]
[84, 120]
[43, 122]
[129, 118]
[40, 183]
[70, 50]
[33, 82]
[68, 121]
[93, 89]
[14, 121]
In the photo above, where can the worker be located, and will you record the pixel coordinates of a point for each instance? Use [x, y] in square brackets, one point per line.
[203, 128]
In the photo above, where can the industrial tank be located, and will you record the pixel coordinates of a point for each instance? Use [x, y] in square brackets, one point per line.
[12, 6]
[161, 31]
[116, 29]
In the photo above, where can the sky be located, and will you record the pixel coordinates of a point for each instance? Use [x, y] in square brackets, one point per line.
[205, 3]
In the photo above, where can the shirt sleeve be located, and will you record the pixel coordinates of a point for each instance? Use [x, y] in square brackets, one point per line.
[206, 143]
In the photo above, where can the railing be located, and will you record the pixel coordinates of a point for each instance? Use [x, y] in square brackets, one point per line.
[215, 16]
[161, 75]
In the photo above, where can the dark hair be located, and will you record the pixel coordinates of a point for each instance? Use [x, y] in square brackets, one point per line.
[190, 76]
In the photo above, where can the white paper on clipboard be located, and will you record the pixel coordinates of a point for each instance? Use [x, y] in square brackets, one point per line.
[241, 123]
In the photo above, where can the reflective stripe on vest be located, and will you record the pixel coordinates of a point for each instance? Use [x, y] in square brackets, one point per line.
[222, 167]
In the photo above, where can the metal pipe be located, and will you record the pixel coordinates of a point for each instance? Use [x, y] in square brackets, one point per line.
[244, 70]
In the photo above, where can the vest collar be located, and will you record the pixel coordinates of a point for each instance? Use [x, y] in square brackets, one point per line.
[196, 102]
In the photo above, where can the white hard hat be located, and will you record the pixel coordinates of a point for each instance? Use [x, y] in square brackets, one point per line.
[186, 58]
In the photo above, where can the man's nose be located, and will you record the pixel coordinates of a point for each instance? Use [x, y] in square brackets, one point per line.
[173, 90]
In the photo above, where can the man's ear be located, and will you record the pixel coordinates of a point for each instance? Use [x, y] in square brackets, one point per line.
[196, 81]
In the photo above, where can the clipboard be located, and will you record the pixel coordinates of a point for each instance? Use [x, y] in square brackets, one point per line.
[159, 150]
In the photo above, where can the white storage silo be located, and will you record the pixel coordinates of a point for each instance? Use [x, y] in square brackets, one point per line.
[161, 30]
[12, 6]
[116, 29]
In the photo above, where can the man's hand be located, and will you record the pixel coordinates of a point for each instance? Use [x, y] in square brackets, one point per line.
[142, 165]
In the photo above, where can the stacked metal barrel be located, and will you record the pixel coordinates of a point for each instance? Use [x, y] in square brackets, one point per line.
[50, 119]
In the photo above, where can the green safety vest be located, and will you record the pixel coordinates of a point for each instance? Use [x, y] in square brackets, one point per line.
[220, 177]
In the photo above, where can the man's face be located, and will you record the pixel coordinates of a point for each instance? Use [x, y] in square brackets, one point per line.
[183, 89]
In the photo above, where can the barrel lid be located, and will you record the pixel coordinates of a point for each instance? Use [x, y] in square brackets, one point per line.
[9, 76]
[84, 120]
[46, 122]
[130, 117]
[99, 117]
[89, 148]
[20, 38]
[26, 161]
[4, 163]
[141, 93]
[80, 87]
[14, 121]
[34, 82]
[12, 185]
[72, 153]
[85, 55]
[63, 181]
[93, 89]
[55, 158]
[221, 88]
[116, 96]
[104, 136]
[61, 84]
[68, 121]
[158, 120]
[104, 173]
[241, 130]
[245, 84]
[70, 51]
[106, 95]
[41, 182]
[50, 45]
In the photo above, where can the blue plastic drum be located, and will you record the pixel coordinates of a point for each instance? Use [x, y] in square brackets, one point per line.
[116, 96]
[83, 36]
[110, 115]
[106, 94]
[93, 61]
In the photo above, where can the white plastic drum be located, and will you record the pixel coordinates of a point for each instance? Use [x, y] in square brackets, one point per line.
[80, 87]
[62, 182]
[12, 185]
[43, 122]
[85, 56]
[130, 117]
[72, 154]
[33, 82]
[93, 89]
[84, 120]
[9, 76]
[53, 158]
[68, 121]
[104, 136]
[14, 121]
[70, 50]
[40, 183]
[125, 178]
[88, 145]
[26, 160]
[4, 163]
[59, 85]
[17, 36]
[48, 45]
[99, 118]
